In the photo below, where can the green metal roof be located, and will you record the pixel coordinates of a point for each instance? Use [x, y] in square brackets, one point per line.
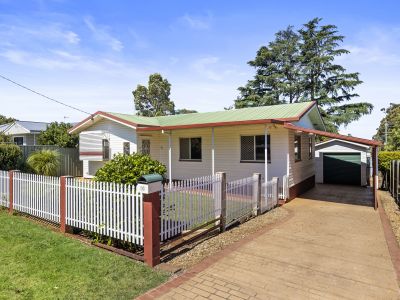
[281, 111]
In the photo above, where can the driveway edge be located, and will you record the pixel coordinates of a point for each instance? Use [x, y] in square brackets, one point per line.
[201, 266]
[391, 241]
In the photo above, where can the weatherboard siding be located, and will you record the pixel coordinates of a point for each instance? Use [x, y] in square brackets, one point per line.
[303, 169]
[227, 151]
[117, 134]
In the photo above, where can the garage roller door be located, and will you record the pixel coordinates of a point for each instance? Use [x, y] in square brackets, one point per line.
[342, 168]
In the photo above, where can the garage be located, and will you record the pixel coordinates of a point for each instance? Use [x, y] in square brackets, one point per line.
[342, 168]
[342, 162]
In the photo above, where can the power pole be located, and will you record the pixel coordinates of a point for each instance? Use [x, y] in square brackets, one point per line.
[386, 132]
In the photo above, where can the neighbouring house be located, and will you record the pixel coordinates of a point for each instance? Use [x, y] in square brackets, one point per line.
[23, 133]
[342, 162]
[275, 141]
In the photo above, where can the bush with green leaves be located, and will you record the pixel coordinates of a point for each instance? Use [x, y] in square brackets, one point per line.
[384, 160]
[44, 162]
[124, 168]
[10, 157]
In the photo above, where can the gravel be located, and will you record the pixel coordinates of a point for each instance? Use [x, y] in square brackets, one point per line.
[393, 213]
[192, 254]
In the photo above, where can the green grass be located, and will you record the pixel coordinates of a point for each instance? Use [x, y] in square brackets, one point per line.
[38, 263]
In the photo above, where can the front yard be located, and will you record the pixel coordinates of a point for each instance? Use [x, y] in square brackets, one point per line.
[38, 263]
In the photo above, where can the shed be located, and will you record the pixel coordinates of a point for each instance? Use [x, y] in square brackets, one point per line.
[342, 162]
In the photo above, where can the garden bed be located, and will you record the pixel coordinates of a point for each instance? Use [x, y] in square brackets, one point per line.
[392, 212]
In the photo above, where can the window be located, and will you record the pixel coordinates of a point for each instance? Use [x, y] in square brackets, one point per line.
[19, 140]
[310, 147]
[146, 147]
[297, 147]
[127, 148]
[106, 149]
[252, 148]
[190, 149]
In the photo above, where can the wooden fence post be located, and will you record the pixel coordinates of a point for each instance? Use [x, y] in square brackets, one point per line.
[64, 228]
[222, 200]
[151, 221]
[11, 190]
[257, 194]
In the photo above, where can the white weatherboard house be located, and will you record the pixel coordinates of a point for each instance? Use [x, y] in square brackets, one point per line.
[342, 162]
[23, 132]
[193, 145]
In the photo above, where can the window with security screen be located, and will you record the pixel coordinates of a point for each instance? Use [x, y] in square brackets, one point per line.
[297, 148]
[252, 148]
[190, 149]
[310, 147]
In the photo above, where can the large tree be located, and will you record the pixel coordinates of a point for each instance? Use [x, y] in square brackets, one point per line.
[300, 66]
[390, 125]
[154, 100]
[57, 134]
[5, 120]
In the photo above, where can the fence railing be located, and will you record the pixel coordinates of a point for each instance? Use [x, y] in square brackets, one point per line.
[269, 195]
[4, 188]
[37, 195]
[113, 210]
[187, 204]
[239, 199]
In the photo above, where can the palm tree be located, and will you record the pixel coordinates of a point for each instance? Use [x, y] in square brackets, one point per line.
[44, 162]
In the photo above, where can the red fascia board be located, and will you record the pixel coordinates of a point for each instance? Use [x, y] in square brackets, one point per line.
[216, 124]
[334, 135]
[104, 114]
[88, 153]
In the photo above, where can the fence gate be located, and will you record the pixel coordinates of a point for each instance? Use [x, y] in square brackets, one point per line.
[189, 204]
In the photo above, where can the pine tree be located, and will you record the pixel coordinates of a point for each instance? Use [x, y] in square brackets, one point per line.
[300, 66]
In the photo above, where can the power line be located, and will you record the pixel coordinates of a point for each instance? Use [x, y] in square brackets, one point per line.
[44, 96]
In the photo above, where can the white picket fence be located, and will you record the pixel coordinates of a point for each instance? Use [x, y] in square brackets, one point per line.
[188, 204]
[37, 195]
[114, 210]
[284, 188]
[4, 189]
[269, 195]
[239, 199]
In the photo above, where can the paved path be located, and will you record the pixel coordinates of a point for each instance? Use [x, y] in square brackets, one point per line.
[327, 250]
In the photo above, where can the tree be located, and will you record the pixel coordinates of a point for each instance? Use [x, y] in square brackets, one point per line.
[300, 66]
[392, 119]
[57, 134]
[185, 111]
[44, 162]
[154, 100]
[5, 120]
[10, 157]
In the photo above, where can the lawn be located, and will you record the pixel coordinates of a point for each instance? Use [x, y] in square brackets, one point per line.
[38, 263]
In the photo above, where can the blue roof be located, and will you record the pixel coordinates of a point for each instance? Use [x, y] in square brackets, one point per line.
[29, 125]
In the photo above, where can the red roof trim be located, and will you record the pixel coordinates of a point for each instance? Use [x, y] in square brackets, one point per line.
[88, 153]
[216, 124]
[104, 114]
[334, 135]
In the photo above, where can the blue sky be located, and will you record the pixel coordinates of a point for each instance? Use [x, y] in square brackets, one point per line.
[92, 54]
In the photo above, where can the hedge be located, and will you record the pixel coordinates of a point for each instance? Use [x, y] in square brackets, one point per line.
[10, 157]
[384, 159]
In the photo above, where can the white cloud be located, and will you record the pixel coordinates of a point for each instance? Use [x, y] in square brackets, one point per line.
[101, 33]
[204, 67]
[197, 22]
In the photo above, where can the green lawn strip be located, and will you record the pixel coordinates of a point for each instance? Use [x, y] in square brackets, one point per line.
[37, 263]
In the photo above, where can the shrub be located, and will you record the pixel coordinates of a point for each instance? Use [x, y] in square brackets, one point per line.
[10, 157]
[128, 169]
[44, 162]
[384, 159]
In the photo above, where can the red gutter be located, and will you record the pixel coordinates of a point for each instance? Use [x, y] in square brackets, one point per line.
[333, 135]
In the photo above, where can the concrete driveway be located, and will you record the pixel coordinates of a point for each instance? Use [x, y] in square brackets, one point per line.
[333, 247]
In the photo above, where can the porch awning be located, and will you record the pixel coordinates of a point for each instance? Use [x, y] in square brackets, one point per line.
[334, 135]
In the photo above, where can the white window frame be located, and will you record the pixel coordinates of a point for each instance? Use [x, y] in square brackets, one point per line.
[255, 149]
[299, 147]
[190, 149]
[18, 136]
